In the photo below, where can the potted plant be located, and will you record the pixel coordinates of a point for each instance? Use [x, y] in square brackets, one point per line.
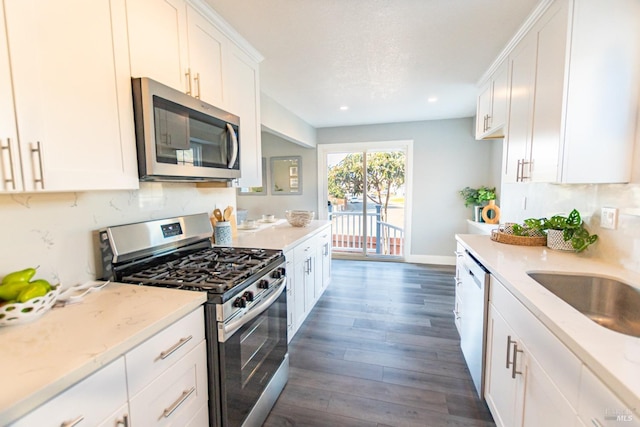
[478, 198]
[563, 232]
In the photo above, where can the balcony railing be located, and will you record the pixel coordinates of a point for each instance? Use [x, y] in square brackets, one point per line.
[348, 230]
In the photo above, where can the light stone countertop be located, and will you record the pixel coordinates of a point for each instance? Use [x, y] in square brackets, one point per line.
[281, 235]
[612, 356]
[38, 360]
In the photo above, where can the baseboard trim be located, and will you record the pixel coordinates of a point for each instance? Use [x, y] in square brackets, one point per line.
[431, 259]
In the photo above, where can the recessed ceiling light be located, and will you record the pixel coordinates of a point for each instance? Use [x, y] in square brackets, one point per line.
[432, 99]
[344, 107]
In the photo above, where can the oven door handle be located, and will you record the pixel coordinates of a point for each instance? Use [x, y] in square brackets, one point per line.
[225, 331]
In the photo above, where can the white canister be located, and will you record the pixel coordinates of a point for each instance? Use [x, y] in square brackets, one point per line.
[222, 233]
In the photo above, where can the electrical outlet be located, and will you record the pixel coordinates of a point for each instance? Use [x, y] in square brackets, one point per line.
[609, 218]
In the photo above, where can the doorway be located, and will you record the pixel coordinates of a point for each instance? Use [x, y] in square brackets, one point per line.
[364, 192]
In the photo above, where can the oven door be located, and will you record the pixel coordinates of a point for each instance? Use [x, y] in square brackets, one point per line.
[250, 356]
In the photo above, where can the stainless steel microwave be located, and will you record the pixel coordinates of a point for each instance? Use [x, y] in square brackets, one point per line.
[180, 138]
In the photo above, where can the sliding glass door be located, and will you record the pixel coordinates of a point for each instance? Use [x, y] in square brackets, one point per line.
[366, 189]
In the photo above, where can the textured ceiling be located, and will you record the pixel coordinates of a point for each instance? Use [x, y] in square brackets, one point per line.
[381, 58]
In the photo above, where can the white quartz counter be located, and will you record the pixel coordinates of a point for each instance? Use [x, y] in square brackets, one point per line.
[38, 360]
[612, 356]
[279, 236]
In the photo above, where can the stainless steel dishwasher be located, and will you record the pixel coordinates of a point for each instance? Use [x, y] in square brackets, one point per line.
[473, 317]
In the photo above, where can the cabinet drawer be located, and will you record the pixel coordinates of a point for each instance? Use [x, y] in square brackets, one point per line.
[176, 396]
[558, 361]
[159, 352]
[305, 249]
[94, 399]
[600, 407]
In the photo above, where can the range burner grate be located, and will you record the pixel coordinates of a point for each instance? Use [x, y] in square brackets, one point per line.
[216, 269]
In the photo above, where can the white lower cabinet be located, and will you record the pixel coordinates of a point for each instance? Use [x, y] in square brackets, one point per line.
[308, 275]
[533, 379]
[161, 382]
[323, 257]
[167, 375]
[98, 400]
[600, 407]
[176, 395]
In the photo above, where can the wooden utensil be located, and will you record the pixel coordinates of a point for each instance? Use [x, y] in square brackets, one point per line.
[229, 216]
[227, 213]
[217, 214]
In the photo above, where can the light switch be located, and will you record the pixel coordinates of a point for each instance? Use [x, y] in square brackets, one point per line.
[609, 218]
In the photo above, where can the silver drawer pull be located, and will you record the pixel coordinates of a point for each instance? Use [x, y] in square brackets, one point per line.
[514, 371]
[509, 342]
[595, 422]
[175, 347]
[73, 422]
[124, 421]
[185, 395]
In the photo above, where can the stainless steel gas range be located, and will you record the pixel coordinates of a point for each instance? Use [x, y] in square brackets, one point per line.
[245, 312]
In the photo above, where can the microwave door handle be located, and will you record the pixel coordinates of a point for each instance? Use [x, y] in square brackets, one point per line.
[234, 148]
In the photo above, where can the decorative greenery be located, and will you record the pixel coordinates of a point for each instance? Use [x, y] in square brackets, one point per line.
[477, 196]
[572, 228]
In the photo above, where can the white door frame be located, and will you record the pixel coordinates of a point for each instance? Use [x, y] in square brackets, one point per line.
[406, 145]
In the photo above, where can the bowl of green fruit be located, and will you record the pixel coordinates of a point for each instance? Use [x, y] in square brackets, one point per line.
[24, 299]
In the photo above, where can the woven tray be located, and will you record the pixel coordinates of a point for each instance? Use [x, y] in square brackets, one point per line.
[512, 239]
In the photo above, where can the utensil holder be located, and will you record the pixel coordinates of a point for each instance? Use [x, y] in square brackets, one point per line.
[222, 233]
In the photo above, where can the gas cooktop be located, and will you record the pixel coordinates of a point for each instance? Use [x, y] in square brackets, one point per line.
[215, 269]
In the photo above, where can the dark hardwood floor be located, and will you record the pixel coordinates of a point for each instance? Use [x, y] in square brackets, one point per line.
[380, 349]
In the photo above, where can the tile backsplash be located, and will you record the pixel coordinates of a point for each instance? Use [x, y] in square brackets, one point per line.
[57, 231]
[620, 246]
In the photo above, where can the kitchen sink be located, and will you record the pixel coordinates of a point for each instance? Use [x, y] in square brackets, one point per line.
[608, 302]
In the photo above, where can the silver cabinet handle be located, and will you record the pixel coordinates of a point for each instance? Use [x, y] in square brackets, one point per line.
[124, 421]
[188, 76]
[184, 396]
[175, 347]
[38, 150]
[515, 361]
[458, 253]
[509, 342]
[326, 249]
[72, 423]
[12, 178]
[456, 314]
[595, 422]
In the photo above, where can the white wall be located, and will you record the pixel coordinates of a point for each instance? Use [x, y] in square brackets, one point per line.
[447, 158]
[274, 146]
[57, 231]
[281, 122]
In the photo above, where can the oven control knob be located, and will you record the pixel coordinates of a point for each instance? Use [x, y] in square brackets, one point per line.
[263, 284]
[276, 274]
[248, 296]
[240, 302]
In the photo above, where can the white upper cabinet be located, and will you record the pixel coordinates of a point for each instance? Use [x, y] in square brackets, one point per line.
[517, 150]
[10, 158]
[492, 105]
[584, 95]
[158, 41]
[72, 97]
[172, 43]
[602, 91]
[244, 87]
[207, 46]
